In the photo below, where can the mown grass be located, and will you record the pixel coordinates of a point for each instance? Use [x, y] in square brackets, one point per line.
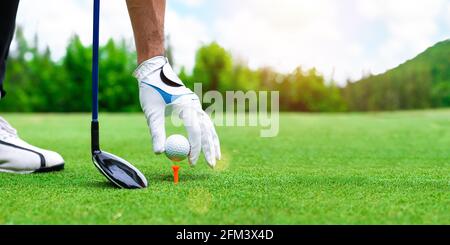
[376, 168]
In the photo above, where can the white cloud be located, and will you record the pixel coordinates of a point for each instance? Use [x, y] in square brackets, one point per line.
[412, 27]
[447, 14]
[191, 3]
[186, 35]
[56, 21]
[346, 36]
[288, 34]
[330, 35]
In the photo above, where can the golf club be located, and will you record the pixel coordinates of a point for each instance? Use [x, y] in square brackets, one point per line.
[115, 169]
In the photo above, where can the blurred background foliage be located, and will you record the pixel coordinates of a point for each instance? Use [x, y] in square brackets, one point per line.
[37, 83]
[422, 82]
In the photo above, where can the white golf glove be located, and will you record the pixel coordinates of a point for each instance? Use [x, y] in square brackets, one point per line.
[160, 87]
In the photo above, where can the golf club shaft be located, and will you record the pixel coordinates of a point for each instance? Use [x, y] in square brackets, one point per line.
[95, 145]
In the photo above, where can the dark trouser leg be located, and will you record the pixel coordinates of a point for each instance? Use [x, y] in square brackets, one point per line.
[8, 11]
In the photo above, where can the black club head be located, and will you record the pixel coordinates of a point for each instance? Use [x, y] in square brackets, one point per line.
[119, 171]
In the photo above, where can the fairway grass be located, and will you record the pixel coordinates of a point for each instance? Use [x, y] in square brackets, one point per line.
[375, 168]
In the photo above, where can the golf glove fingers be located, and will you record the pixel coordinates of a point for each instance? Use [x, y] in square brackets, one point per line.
[160, 87]
[201, 132]
[215, 138]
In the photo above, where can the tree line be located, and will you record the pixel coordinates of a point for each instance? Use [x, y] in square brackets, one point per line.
[37, 83]
[420, 83]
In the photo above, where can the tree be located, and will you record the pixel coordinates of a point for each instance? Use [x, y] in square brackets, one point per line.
[213, 67]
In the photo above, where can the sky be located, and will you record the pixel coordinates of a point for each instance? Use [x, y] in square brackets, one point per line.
[343, 39]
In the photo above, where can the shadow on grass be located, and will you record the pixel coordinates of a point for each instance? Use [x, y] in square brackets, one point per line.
[188, 177]
[154, 177]
[101, 185]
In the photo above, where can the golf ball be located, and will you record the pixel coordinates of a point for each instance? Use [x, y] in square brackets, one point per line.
[177, 148]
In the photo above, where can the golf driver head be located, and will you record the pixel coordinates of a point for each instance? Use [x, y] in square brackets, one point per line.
[119, 171]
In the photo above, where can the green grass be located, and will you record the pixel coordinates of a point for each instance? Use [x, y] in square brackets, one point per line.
[378, 168]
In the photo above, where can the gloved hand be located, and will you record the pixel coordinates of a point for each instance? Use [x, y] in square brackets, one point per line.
[160, 87]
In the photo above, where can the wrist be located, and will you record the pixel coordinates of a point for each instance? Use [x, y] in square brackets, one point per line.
[146, 67]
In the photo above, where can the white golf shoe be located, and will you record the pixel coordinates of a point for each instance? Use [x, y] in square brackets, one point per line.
[17, 156]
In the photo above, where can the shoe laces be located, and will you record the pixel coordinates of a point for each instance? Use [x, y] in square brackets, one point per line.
[6, 130]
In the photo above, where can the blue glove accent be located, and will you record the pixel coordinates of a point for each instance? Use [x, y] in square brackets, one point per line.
[168, 98]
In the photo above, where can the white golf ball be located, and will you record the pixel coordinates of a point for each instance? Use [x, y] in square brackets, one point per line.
[177, 147]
